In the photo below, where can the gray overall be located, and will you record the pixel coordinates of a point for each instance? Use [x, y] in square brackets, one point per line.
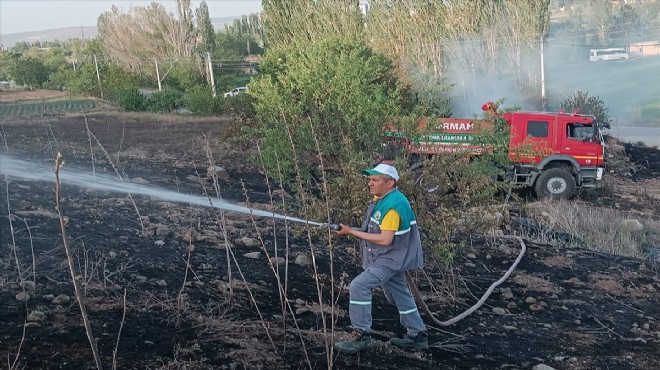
[385, 266]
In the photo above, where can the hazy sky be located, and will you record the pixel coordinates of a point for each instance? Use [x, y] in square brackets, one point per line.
[38, 15]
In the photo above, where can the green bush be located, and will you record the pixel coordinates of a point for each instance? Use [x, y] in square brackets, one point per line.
[200, 102]
[130, 99]
[240, 106]
[337, 92]
[167, 100]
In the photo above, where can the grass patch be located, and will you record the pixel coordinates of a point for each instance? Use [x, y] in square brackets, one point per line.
[604, 230]
[652, 111]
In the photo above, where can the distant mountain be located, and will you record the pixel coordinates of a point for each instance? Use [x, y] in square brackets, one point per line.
[66, 33]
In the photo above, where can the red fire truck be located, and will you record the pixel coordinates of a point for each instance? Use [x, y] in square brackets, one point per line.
[555, 153]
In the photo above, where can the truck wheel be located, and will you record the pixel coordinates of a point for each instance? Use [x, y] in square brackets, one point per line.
[555, 183]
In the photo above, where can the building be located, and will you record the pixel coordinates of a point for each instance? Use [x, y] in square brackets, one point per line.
[643, 49]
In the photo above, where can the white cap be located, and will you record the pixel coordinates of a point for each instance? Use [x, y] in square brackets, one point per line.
[383, 169]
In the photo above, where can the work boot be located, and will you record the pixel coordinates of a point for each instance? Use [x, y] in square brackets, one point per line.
[418, 342]
[359, 341]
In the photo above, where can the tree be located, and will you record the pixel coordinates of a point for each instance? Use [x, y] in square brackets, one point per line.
[205, 29]
[302, 21]
[586, 104]
[336, 91]
[600, 17]
[29, 71]
[144, 34]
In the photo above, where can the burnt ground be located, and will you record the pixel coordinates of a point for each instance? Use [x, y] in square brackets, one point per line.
[568, 308]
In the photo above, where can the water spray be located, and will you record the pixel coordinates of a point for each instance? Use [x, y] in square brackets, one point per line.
[19, 169]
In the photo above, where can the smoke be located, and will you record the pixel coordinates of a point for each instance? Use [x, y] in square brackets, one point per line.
[480, 75]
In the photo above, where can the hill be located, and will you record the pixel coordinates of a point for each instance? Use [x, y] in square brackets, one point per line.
[67, 33]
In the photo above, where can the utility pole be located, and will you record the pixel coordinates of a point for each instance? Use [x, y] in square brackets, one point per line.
[98, 76]
[158, 75]
[542, 76]
[208, 57]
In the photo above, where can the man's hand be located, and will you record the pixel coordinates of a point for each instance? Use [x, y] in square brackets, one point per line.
[344, 230]
[384, 238]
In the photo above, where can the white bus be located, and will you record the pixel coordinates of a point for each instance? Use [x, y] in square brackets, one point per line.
[596, 55]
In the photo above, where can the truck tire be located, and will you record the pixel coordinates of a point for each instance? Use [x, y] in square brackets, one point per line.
[555, 183]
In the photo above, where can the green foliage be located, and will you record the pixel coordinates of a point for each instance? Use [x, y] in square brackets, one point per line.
[29, 71]
[184, 77]
[131, 100]
[200, 102]
[240, 106]
[335, 93]
[165, 101]
[586, 104]
[55, 107]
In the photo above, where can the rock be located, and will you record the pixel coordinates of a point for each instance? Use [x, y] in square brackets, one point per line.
[471, 256]
[535, 307]
[161, 283]
[530, 300]
[277, 261]
[577, 322]
[646, 326]
[248, 242]
[48, 297]
[543, 367]
[499, 311]
[302, 260]
[253, 255]
[141, 278]
[36, 316]
[61, 299]
[506, 294]
[633, 224]
[159, 243]
[512, 306]
[470, 264]
[217, 171]
[28, 285]
[23, 297]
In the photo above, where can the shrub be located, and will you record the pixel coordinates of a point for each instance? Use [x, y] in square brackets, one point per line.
[586, 104]
[200, 102]
[167, 100]
[240, 106]
[130, 99]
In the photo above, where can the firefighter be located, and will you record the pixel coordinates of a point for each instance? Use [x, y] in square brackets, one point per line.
[390, 245]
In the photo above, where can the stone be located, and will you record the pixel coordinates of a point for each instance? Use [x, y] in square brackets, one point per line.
[302, 260]
[28, 285]
[499, 311]
[277, 261]
[253, 255]
[246, 241]
[535, 307]
[161, 283]
[23, 297]
[543, 367]
[633, 224]
[218, 171]
[61, 299]
[530, 300]
[36, 316]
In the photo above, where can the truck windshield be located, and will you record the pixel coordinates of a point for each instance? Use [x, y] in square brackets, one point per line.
[584, 132]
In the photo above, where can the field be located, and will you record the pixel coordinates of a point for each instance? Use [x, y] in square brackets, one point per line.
[46, 107]
[171, 285]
